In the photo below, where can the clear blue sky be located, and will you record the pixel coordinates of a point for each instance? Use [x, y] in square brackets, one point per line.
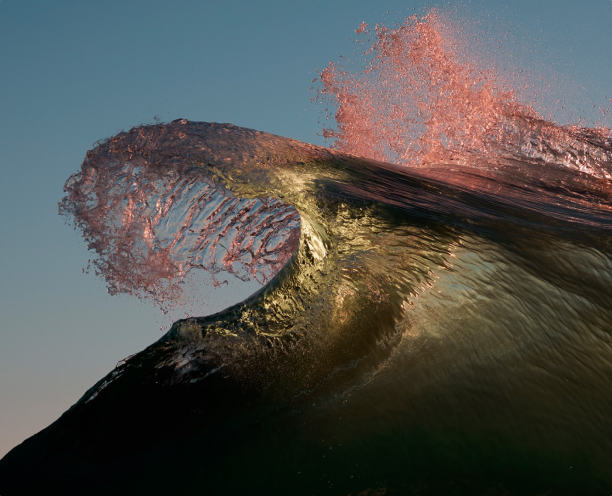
[73, 72]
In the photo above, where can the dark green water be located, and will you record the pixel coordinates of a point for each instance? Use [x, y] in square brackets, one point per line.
[445, 330]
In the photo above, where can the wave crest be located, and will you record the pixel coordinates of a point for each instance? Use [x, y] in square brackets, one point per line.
[421, 99]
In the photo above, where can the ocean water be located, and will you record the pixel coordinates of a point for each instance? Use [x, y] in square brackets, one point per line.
[435, 306]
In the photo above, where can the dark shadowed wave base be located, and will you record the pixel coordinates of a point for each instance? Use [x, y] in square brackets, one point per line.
[440, 330]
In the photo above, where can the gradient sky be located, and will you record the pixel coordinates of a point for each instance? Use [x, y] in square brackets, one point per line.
[73, 72]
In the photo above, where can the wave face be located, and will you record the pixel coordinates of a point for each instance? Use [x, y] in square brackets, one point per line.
[434, 318]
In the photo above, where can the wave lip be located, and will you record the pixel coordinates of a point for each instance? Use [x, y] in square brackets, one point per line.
[151, 223]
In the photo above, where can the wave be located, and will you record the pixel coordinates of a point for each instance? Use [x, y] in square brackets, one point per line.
[451, 320]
